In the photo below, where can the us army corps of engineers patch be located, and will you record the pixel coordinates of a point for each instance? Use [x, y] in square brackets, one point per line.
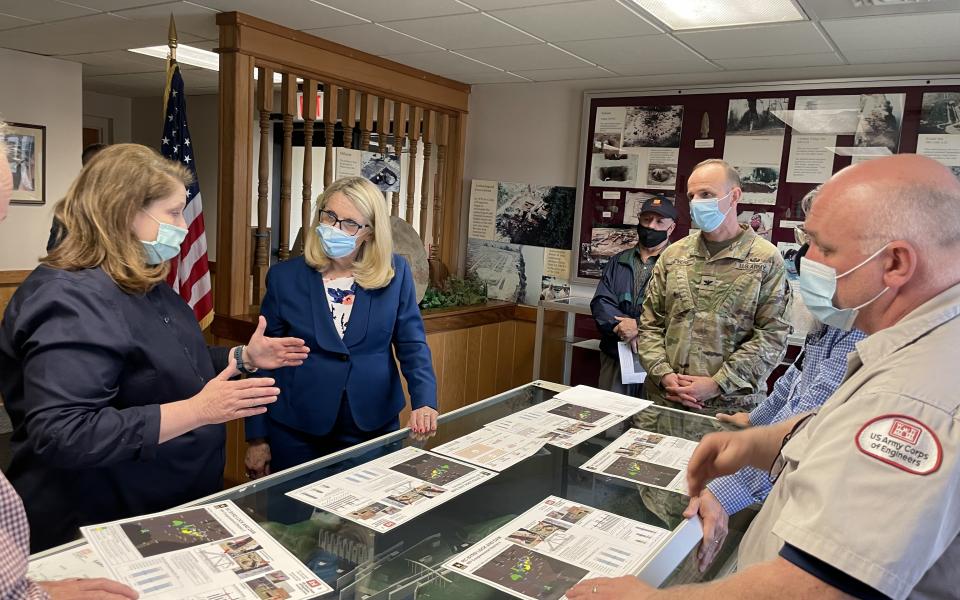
[902, 442]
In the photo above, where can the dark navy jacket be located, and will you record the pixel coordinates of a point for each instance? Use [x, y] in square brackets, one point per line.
[84, 368]
[614, 297]
[361, 364]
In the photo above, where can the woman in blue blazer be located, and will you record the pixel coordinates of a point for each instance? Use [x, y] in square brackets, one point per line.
[354, 303]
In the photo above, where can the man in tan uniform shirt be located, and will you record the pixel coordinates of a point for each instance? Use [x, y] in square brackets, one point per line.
[867, 498]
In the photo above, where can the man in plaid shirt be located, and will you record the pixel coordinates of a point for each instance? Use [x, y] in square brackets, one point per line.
[14, 530]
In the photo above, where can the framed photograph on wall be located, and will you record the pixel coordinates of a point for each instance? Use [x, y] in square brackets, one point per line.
[27, 156]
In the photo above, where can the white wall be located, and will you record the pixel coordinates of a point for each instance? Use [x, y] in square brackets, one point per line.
[40, 91]
[202, 118]
[115, 109]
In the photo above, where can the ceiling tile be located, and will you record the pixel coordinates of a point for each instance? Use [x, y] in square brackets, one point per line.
[764, 40]
[109, 5]
[381, 12]
[115, 62]
[671, 67]
[463, 31]
[43, 10]
[491, 77]
[97, 33]
[531, 57]
[190, 18]
[629, 50]
[831, 9]
[373, 39]
[902, 55]
[295, 14]
[781, 62]
[501, 4]
[904, 31]
[566, 74]
[593, 19]
[440, 62]
[9, 22]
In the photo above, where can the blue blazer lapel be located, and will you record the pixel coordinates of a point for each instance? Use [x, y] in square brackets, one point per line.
[359, 317]
[323, 327]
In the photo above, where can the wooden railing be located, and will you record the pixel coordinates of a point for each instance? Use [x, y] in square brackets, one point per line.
[377, 104]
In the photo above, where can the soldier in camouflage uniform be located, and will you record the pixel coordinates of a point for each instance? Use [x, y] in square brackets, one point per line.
[713, 325]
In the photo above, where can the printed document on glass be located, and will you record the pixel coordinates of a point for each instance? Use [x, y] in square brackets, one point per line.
[631, 371]
[389, 491]
[653, 459]
[551, 547]
[77, 563]
[205, 552]
[491, 448]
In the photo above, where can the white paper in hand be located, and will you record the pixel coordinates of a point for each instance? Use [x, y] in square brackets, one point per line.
[630, 369]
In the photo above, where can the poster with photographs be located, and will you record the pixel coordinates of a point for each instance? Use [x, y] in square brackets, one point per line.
[26, 155]
[382, 169]
[636, 146]
[881, 117]
[535, 215]
[605, 242]
[513, 273]
[940, 129]
[760, 222]
[816, 123]
[754, 146]
[634, 204]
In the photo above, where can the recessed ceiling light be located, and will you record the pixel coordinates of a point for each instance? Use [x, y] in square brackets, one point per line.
[700, 14]
[196, 57]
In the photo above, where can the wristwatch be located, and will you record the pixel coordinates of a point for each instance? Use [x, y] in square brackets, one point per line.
[238, 355]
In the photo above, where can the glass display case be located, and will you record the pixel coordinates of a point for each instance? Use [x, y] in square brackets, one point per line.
[406, 563]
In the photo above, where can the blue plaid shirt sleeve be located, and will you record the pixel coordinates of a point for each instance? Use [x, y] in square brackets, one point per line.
[740, 490]
[766, 411]
[14, 548]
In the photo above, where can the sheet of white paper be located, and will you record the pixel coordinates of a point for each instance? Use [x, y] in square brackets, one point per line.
[209, 551]
[554, 545]
[389, 491]
[491, 448]
[653, 459]
[631, 371]
[79, 563]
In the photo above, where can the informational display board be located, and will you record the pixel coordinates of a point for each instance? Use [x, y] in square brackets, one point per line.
[783, 138]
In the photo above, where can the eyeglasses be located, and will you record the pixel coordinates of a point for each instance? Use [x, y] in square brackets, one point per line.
[348, 226]
[800, 235]
[780, 462]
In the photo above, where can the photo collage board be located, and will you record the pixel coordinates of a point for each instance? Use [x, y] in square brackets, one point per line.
[783, 143]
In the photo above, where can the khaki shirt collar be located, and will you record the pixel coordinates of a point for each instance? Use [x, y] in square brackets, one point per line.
[943, 307]
[739, 250]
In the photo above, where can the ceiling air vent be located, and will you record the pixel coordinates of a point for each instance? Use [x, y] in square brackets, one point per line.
[869, 3]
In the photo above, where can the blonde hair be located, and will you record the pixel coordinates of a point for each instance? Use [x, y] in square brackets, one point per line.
[373, 265]
[99, 209]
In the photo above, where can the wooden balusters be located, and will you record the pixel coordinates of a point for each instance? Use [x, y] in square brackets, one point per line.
[383, 125]
[349, 116]
[425, 181]
[288, 104]
[330, 93]
[414, 131]
[309, 117]
[261, 259]
[443, 123]
[366, 120]
[399, 135]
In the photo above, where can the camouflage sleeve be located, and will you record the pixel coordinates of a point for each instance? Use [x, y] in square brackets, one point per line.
[652, 326]
[755, 359]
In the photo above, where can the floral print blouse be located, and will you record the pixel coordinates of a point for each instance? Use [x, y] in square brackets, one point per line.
[340, 294]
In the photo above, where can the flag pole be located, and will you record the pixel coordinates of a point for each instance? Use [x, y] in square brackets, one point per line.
[171, 60]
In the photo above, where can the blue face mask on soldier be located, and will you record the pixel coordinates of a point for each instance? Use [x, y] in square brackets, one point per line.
[167, 244]
[818, 286]
[706, 214]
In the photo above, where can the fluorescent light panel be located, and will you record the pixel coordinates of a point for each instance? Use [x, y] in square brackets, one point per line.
[701, 14]
[196, 57]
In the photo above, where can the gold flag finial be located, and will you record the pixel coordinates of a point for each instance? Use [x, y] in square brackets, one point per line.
[172, 38]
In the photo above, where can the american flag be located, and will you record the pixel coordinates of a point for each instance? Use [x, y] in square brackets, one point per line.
[190, 272]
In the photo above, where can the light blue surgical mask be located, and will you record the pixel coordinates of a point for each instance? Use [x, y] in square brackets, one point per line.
[818, 286]
[336, 243]
[706, 213]
[167, 244]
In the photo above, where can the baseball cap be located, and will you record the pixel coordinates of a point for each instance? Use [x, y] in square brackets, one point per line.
[661, 206]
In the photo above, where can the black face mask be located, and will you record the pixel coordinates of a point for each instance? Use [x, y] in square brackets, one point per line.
[800, 253]
[651, 238]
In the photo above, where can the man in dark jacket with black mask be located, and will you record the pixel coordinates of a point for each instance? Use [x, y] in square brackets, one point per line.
[619, 297]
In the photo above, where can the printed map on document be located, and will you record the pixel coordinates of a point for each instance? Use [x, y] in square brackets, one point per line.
[205, 552]
[491, 448]
[389, 491]
[652, 459]
[571, 417]
[551, 547]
